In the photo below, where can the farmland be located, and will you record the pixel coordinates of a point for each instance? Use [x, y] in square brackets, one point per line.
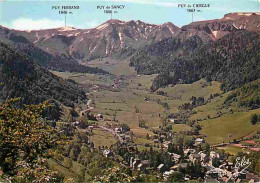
[124, 97]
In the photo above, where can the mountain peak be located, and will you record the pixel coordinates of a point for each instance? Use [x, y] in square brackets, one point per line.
[67, 28]
[108, 23]
[237, 15]
[114, 21]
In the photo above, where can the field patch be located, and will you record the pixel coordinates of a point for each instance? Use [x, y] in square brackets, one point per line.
[229, 127]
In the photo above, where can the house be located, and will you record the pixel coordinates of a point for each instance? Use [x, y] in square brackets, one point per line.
[176, 157]
[194, 157]
[99, 117]
[107, 153]
[167, 174]
[76, 123]
[162, 137]
[214, 154]
[203, 157]
[141, 167]
[189, 151]
[91, 127]
[122, 136]
[118, 130]
[199, 141]
[175, 167]
[156, 140]
[161, 168]
[136, 163]
[131, 162]
[216, 173]
[172, 120]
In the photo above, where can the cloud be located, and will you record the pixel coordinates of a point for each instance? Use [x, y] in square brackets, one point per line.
[30, 24]
[45, 23]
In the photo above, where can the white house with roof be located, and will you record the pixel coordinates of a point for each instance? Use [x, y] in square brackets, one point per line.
[176, 157]
[107, 153]
[199, 141]
[167, 174]
[214, 154]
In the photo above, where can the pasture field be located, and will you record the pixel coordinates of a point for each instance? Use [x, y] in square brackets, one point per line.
[180, 127]
[91, 79]
[233, 150]
[229, 127]
[112, 66]
[102, 138]
[133, 102]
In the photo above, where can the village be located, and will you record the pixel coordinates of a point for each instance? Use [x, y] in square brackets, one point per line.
[213, 165]
[163, 152]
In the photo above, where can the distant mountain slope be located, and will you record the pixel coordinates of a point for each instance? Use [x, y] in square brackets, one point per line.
[233, 60]
[121, 39]
[53, 62]
[104, 40]
[247, 96]
[157, 57]
[21, 77]
[215, 29]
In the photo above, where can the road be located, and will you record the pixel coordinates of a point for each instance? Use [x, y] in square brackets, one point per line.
[114, 133]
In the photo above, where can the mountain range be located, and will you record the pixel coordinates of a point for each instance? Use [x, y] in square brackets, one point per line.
[115, 36]
[226, 50]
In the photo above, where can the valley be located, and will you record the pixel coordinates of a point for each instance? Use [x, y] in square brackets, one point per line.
[126, 98]
[129, 101]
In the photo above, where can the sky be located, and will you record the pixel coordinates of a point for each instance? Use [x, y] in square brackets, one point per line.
[39, 14]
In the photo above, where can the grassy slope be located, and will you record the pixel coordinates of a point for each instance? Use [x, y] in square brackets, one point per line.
[85, 78]
[233, 150]
[180, 127]
[238, 124]
[113, 66]
[101, 138]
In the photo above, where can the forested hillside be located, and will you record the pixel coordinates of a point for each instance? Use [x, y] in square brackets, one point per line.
[59, 62]
[21, 77]
[233, 60]
[52, 62]
[247, 96]
[158, 57]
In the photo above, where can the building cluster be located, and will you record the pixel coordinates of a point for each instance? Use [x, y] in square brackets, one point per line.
[214, 166]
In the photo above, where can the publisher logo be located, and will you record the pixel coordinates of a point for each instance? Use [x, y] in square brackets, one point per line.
[242, 164]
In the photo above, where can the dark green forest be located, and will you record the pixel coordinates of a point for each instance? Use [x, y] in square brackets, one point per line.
[23, 78]
[246, 96]
[233, 60]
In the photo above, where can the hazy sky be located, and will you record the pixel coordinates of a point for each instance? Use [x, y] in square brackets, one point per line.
[38, 14]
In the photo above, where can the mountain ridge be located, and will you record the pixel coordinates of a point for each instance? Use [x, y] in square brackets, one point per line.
[123, 38]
